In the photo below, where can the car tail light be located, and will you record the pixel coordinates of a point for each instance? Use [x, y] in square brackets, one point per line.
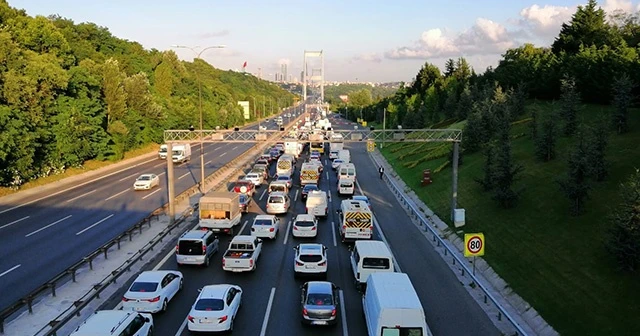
[324, 263]
[253, 229]
[299, 263]
[344, 227]
[326, 209]
[177, 249]
[204, 249]
[190, 318]
[223, 262]
[251, 262]
[304, 312]
[295, 228]
[272, 229]
[333, 312]
[306, 209]
[313, 228]
[155, 299]
[125, 299]
[222, 319]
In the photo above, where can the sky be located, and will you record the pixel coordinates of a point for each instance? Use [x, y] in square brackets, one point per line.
[362, 41]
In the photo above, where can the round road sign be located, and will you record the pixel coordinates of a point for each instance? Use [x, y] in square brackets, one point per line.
[474, 245]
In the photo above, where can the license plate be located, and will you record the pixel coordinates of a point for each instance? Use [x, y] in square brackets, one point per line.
[237, 261]
[310, 267]
[364, 230]
[205, 321]
[189, 259]
[319, 322]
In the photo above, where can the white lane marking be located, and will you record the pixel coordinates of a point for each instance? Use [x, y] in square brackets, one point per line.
[343, 315]
[376, 227]
[159, 164]
[93, 225]
[182, 326]
[208, 162]
[327, 175]
[295, 198]
[325, 162]
[243, 226]
[128, 177]
[161, 173]
[116, 195]
[333, 228]
[286, 236]
[46, 227]
[75, 186]
[83, 195]
[329, 196]
[9, 270]
[15, 221]
[151, 193]
[223, 154]
[183, 175]
[262, 196]
[265, 321]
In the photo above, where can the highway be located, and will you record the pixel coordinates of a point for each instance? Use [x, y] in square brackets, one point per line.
[271, 295]
[44, 234]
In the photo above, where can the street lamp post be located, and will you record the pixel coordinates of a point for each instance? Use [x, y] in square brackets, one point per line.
[198, 54]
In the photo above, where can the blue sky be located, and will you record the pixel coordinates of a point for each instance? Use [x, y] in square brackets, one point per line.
[361, 40]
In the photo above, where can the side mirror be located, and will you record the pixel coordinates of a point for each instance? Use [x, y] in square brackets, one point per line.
[259, 241]
[147, 320]
[199, 290]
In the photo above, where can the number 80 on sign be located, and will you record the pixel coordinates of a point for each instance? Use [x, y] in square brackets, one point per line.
[473, 244]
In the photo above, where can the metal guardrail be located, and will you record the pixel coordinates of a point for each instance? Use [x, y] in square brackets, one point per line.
[98, 288]
[417, 215]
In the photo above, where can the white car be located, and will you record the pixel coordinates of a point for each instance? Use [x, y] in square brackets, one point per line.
[146, 182]
[333, 154]
[215, 308]
[262, 128]
[152, 290]
[336, 163]
[310, 259]
[255, 178]
[116, 322]
[265, 226]
[364, 199]
[305, 226]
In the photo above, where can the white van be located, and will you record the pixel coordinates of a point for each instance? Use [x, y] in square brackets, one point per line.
[181, 153]
[347, 171]
[344, 155]
[317, 204]
[346, 186]
[368, 257]
[391, 306]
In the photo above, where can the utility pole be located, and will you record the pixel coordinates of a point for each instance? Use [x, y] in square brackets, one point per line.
[264, 104]
[454, 185]
[384, 126]
[170, 183]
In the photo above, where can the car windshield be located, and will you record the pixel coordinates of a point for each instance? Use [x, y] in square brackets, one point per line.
[262, 222]
[252, 176]
[338, 161]
[209, 305]
[143, 287]
[318, 299]
[243, 198]
[283, 178]
[310, 187]
[304, 223]
[144, 178]
[276, 199]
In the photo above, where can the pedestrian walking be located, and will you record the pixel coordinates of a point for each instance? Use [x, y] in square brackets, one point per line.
[381, 171]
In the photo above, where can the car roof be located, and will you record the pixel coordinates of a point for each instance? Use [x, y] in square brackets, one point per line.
[360, 198]
[324, 287]
[214, 291]
[268, 217]
[310, 248]
[152, 276]
[277, 193]
[102, 322]
[305, 217]
[195, 234]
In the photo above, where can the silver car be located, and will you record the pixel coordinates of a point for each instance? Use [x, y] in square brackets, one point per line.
[196, 247]
[319, 303]
[278, 203]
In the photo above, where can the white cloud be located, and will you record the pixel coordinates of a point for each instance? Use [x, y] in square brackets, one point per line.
[545, 22]
[612, 5]
[484, 37]
[224, 32]
[368, 57]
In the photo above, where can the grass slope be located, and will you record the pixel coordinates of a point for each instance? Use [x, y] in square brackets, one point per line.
[556, 262]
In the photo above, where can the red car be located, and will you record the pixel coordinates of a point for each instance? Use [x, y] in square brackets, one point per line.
[244, 187]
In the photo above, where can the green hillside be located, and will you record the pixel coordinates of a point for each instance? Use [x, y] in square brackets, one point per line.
[549, 160]
[73, 94]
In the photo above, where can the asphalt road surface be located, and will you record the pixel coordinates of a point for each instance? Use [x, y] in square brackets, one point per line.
[271, 295]
[44, 234]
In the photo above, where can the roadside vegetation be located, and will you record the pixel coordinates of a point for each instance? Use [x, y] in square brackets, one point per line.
[548, 166]
[358, 94]
[73, 96]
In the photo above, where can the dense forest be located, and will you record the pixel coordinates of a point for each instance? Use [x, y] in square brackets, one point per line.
[73, 92]
[359, 94]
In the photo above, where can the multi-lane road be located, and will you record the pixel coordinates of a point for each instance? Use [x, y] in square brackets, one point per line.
[44, 234]
[271, 295]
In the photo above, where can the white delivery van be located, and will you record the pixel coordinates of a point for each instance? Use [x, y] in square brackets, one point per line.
[317, 204]
[285, 165]
[344, 155]
[347, 171]
[346, 186]
[391, 306]
[181, 153]
[162, 153]
[368, 257]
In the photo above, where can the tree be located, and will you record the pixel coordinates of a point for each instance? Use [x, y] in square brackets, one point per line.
[506, 174]
[517, 100]
[575, 185]
[569, 102]
[474, 133]
[449, 68]
[488, 178]
[624, 231]
[465, 103]
[545, 141]
[113, 89]
[597, 150]
[463, 70]
[622, 100]
[533, 126]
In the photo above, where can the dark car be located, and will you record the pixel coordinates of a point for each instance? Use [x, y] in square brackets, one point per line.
[307, 188]
[245, 201]
[275, 153]
[266, 156]
[319, 303]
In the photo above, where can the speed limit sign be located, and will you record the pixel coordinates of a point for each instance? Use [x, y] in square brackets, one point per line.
[473, 244]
